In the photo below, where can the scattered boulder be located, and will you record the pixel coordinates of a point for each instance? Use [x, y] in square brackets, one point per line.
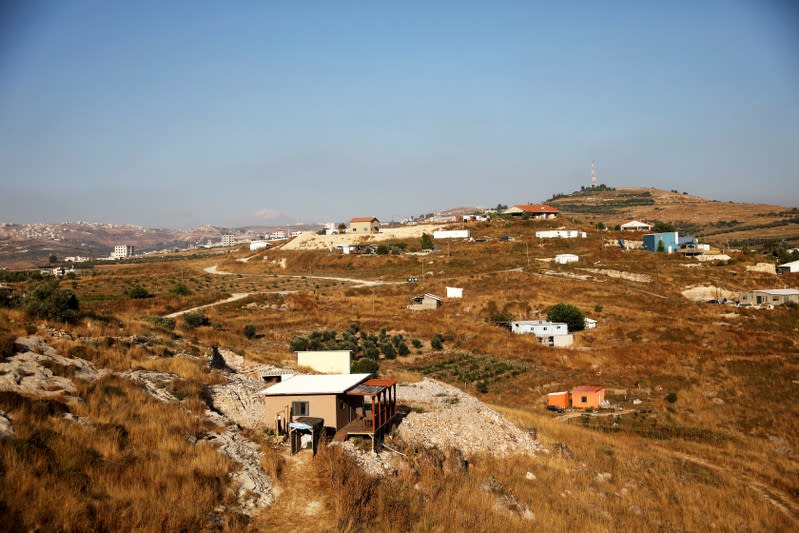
[563, 450]
[505, 500]
[455, 461]
[6, 429]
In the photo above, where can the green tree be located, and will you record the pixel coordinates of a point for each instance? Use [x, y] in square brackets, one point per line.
[382, 249]
[661, 246]
[52, 259]
[47, 301]
[427, 241]
[661, 227]
[249, 331]
[437, 342]
[568, 313]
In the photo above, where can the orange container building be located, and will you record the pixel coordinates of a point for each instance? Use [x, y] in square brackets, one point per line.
[587, 397]
[558, 399]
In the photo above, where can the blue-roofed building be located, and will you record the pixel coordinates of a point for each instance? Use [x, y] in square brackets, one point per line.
[670, 240]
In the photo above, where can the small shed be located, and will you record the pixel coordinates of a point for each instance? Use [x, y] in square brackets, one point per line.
[454, 292]
[305, 432]
[587, 397]
[558, 399]
[425, 301]
[563, 259]
[669, 240]
[590, 323]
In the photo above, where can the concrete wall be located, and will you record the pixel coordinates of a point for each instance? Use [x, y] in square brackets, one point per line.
[326, 362]
[451, 234]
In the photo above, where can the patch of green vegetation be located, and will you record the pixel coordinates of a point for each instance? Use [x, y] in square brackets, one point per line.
[481, 370]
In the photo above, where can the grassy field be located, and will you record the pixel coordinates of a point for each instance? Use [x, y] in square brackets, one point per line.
[707, 439]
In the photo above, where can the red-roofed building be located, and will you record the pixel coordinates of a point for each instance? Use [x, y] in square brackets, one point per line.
[364, 225]
[532, 211]
[587, 397]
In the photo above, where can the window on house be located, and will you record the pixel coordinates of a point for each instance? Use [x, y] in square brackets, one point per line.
[299, 409]
[583, 399]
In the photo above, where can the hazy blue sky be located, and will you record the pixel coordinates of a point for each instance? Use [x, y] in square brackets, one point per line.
[230, 113]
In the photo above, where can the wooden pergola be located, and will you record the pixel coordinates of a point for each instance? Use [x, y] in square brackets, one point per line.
[383, 396]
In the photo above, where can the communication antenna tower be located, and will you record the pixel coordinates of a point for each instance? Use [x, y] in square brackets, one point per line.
[593, 174]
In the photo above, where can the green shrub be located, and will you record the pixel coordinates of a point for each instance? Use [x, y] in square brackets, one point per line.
[365, 365]
[138, 293]
[195, 319]
[249, 331]
[416, 344]
[179, 289]
[671, 397]
[163, 322]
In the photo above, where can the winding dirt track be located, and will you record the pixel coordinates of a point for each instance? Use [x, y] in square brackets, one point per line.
[241, 295]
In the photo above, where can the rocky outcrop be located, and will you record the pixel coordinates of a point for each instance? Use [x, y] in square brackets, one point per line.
[253, 485]
[37, 370]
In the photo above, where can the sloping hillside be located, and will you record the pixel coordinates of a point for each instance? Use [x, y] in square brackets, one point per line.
[716, 221]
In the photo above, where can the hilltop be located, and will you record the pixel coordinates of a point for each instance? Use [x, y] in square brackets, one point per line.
[715, 221]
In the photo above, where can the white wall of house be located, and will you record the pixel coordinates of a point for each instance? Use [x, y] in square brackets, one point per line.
[326, 362]
[539, 328]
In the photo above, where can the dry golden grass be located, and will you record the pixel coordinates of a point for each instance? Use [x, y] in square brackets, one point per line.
[131, 469]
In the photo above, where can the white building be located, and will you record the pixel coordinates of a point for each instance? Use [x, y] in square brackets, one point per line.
[296, 233]
[122, 251]
[636, 225]
[451, 234]
[228, 240]
[454, 292]
[787, 268]
[548, 333]
[590, 323]
[561, 234]
[258, 245]
[563, 259]
[277, 235]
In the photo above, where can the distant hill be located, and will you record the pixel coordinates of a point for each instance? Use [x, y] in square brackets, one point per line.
[28, 245]
[728, 222]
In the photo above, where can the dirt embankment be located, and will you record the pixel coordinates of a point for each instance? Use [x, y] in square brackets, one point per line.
[312, 241]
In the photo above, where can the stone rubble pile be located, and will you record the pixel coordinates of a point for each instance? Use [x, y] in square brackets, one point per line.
[453, 419]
